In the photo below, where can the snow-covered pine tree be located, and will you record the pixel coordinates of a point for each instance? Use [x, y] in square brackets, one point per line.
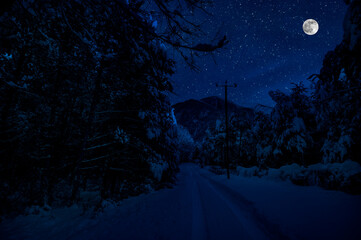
[83, 96]
[337, 94]
[292, 137]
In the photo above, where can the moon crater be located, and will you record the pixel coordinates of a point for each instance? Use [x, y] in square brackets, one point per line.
[310, 27]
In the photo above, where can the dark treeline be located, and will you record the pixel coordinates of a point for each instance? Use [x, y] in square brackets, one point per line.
[83, 95]
[307, 126]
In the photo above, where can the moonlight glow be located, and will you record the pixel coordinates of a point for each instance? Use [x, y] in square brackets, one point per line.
[310, 27]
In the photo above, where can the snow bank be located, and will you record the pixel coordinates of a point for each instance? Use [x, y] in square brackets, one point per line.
[344, 176]
[247, 172]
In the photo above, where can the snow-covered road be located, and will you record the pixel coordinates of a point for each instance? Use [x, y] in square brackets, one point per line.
[197, 208]
[220, 213]
[206, 206]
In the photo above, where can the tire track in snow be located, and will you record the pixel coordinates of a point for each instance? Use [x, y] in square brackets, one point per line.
[212, 217]
[245, 211]
[199, 230]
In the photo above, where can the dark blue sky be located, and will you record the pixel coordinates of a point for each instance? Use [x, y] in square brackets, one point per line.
[267, 51]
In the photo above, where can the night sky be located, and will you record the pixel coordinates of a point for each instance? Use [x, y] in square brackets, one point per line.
[268, 49]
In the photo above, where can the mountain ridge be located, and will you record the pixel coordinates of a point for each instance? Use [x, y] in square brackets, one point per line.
[198, 115]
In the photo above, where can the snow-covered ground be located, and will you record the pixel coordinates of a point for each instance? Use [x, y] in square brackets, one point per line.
[206, 206]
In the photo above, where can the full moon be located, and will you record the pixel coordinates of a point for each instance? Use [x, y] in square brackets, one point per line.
[310, 27]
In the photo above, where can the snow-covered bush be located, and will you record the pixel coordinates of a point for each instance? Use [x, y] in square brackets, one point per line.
[287, 172]
[344, 176]
[263, 153]
[336, 149]
[292, 171]
[247, 172]
[157, 168]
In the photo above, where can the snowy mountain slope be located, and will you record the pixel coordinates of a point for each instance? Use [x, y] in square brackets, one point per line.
[198, 115]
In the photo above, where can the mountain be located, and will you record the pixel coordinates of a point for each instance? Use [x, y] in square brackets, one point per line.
[198, 115]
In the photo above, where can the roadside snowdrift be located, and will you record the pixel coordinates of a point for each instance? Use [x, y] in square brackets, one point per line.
[344, 176]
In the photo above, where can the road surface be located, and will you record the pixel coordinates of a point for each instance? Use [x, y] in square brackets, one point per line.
[197, 208]
[203, 205]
